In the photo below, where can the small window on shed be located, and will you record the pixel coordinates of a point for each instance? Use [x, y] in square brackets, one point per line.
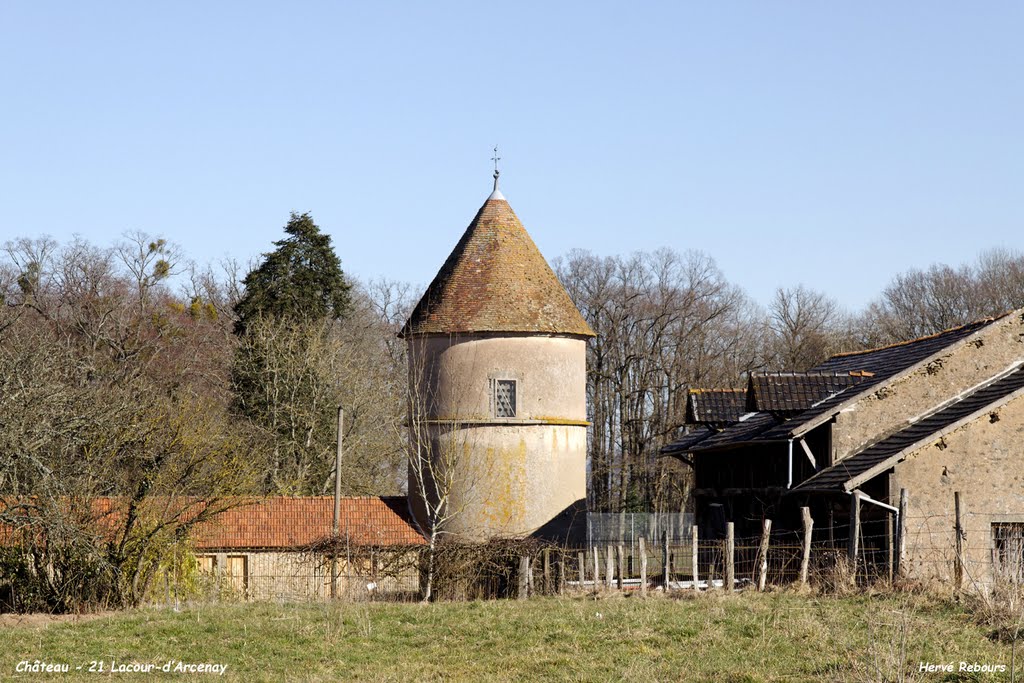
[1008, 550]
[505, 398]
[206, 563]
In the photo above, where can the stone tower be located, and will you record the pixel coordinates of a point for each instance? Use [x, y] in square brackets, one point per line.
[497, 372]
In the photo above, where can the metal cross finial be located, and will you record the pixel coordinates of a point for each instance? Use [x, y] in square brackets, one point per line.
[496, 159]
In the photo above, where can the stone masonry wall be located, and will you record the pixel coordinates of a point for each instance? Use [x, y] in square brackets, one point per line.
[983, 355]
[984, 461]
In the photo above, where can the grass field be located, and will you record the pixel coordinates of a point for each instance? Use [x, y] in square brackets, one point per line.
[746, 637]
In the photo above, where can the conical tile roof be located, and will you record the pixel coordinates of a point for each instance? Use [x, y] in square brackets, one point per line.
[495, 280]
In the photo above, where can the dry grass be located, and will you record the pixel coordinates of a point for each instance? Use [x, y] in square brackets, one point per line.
[777, 636]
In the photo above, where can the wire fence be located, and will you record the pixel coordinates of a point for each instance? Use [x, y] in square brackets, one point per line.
[465, 572]
[973, 551]
[629, 527]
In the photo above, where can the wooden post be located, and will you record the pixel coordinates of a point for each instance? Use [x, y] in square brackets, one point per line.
[643, 567]
[582, 562]
[664, 558]
[609, 566]
[694, 557]
[558, 574]
[762, 553]
[890, 529]
[805, 558]
[524, 577]
[561, 570]
[547, 572]
[958, 567]
[901, 535]
[854, 540]
[597, 571]
[730, 556]
[621, 554]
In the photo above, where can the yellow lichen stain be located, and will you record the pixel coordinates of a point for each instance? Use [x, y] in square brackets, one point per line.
[554, 420]
[503, 504]
[471, 417]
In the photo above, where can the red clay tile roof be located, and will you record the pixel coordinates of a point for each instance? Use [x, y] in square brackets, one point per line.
[496, 280]
[262, 523]
[296, 522]
[104, 516]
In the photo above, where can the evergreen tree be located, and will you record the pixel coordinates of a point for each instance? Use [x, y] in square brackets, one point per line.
[284, 376]
[301, 280]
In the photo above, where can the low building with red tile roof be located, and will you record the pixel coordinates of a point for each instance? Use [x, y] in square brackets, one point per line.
[275, 548]
[291, 523]
[279, 548]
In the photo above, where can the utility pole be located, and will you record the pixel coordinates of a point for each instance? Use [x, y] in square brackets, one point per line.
[337, 507]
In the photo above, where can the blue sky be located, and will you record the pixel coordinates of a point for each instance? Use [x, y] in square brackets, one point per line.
[827, 144]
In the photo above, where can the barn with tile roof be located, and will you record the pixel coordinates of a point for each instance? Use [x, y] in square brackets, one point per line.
[271, 548]
[929, 416]
[497, 370]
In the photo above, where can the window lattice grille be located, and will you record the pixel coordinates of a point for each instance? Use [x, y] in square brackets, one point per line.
[505, 398]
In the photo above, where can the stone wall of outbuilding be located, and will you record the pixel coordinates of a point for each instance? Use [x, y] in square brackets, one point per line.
[982, 356]
[984, 461]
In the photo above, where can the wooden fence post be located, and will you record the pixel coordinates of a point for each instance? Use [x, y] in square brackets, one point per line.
[524, 577]
[620, 553]
[958, 567]
[581, 560]
[643, 567]
[597, 571]
[560, 571]
[609, 565]
[762, 552]
[901, 535]
[890, 541]
[664, 558]
[548, 588]
[805, 558]
[694, 557]
[730, 557]
[854, 540]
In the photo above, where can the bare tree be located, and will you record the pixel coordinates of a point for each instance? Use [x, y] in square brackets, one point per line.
[999, 281]
[110, 446]
[806, 326]
[664, 322]
[918, 303]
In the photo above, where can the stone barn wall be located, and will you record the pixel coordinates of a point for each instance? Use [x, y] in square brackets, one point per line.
[285, 576]
[984, 461]
[983, 355]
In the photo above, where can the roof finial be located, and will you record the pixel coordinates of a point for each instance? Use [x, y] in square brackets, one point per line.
[497, 173]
